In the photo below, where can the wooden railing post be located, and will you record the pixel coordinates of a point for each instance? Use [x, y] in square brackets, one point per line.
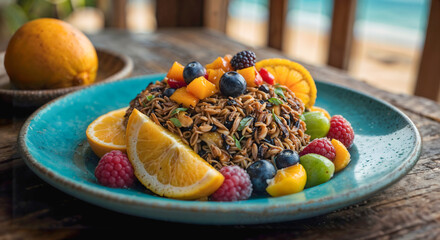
[215, 14]
[428, 79]
[119, 14]
[341, 36]
[277, 23]
[178, 13]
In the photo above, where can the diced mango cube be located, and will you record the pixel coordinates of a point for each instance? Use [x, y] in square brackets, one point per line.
[214, 75]
[228, 57]
[219, 63]
[251, 77]
[201, 88]
[176, 72]
[182, 96]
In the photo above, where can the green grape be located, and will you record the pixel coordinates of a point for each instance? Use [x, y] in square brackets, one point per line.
[317, 124]
[319, 169]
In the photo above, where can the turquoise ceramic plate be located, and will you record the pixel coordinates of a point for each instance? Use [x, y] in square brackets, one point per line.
[53, 144]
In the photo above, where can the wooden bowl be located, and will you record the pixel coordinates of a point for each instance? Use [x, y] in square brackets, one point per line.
[111, 66]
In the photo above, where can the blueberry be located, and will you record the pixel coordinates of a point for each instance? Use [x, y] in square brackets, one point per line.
[232, 84]
[286, 158]
[192, 71]
[169, 91]
[264, 88]
[259, 172]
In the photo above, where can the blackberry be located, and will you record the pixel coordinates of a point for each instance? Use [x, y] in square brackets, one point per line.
[243, 59]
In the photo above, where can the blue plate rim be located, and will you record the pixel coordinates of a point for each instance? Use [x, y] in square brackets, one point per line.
[329, 202]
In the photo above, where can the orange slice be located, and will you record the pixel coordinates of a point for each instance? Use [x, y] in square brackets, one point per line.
[166, 165]
[342, 158]
[107, 132]
[320, 109]
[294, 76]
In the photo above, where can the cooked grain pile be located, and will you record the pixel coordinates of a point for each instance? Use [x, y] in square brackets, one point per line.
[225, 131]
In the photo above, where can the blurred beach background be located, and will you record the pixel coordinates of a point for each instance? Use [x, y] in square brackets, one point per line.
[388, 34]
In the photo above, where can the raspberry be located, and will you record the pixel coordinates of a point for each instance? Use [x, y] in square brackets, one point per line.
[321, 146]
[340, 129]
[243, 59]
[115, 170]
[236, 186]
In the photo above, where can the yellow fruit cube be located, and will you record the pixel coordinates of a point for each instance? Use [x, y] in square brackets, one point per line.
[252, 77]
[183, 97]
[201, 88]
[287, 181]
[176, 72]
[214, 75]
[342, 158]
[220, 63]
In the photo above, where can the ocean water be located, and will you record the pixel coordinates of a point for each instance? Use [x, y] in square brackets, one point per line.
[400, 22]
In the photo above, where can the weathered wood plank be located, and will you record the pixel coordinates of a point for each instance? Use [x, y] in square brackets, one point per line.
[341, 35]
[428, 79]
[277, 23]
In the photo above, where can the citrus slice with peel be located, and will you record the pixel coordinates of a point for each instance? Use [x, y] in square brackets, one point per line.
[294, 76]
[107, 132]
[166, 165]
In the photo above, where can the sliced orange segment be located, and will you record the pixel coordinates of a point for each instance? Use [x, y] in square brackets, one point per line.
[294, 76]
[166, 165]
[320, 109]
[107, 133]
[342, 158]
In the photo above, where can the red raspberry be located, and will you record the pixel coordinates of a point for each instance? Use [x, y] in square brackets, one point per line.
[115, 170]
[340, 129]
[237, 185]
[321, 146]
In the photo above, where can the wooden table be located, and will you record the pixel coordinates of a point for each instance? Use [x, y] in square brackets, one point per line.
[409, 209]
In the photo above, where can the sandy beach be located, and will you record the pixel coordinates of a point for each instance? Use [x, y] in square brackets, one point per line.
[387, 66]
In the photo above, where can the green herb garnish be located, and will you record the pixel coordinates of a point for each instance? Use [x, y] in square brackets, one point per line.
[237, 142]
[177, 110]
[150, 97]
[275, 117]
[280, 124]
[176, 122]
[275, 101]
[244, 122]
[280, 92]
